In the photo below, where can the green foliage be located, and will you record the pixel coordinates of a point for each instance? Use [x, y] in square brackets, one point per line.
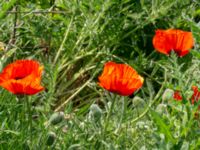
[5, 6]
[72, 39]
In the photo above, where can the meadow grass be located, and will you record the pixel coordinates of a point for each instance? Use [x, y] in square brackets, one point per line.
[73, 39]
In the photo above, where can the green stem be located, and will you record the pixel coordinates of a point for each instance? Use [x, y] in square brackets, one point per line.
[176, 68]
[148, 108]
[158, 95]
[122, 113]
[29, 111]
[109, 114]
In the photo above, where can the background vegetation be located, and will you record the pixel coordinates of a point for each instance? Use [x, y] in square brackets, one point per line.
[73, 39]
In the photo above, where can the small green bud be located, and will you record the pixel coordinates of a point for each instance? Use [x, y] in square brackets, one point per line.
[161, 108]
[51, 137]
[26, 146]
[167, 95]
[56, 118]
[140, 125]
[95, 112]
[137, 101]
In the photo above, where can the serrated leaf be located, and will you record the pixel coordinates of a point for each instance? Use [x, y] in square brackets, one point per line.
[162, 127]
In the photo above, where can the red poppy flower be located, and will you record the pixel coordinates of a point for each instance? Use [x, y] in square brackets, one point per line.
[22, 77]
[179, 41]
[177, 96]
[196, 94]
[120, 78]
[195, 97]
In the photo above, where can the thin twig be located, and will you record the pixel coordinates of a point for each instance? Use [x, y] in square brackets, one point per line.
[13, 35]
[37, 12]
[63, 42]
[13, 39]
[50, 35]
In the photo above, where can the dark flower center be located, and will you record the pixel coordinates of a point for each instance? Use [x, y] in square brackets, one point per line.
[19, 77]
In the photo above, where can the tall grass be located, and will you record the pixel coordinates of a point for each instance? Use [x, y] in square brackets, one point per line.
[73, 39]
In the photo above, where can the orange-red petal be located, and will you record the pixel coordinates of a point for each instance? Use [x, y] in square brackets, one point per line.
[22, 77]
[196, 94]
[177, 96]
[120, 78]
[179, 41]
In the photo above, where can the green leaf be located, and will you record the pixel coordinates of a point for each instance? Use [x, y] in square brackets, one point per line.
[185, 145]
[6, 6]
[162, 127]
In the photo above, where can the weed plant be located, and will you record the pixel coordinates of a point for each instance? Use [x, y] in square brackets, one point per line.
[72, 39]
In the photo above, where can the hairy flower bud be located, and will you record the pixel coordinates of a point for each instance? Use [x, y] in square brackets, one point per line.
[137, 101]
[51, 137]
[56, 118]
[161, 108]
[95, 112]
[167, 95]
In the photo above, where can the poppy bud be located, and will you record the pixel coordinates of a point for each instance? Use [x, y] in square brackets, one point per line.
[51, 137]
[95, 112]
[56, 118]
[140, 125]
[161, 108]
[167, 95]
[137, 101]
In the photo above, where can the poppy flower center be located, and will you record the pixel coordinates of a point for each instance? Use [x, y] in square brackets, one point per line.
[19, 77]
[19, 74]
[176, 51]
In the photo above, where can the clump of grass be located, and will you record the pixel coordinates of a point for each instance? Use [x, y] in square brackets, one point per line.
[73, 39]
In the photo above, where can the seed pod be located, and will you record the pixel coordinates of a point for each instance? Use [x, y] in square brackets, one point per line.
[167, 95]
[56, 118]
[51, 137]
